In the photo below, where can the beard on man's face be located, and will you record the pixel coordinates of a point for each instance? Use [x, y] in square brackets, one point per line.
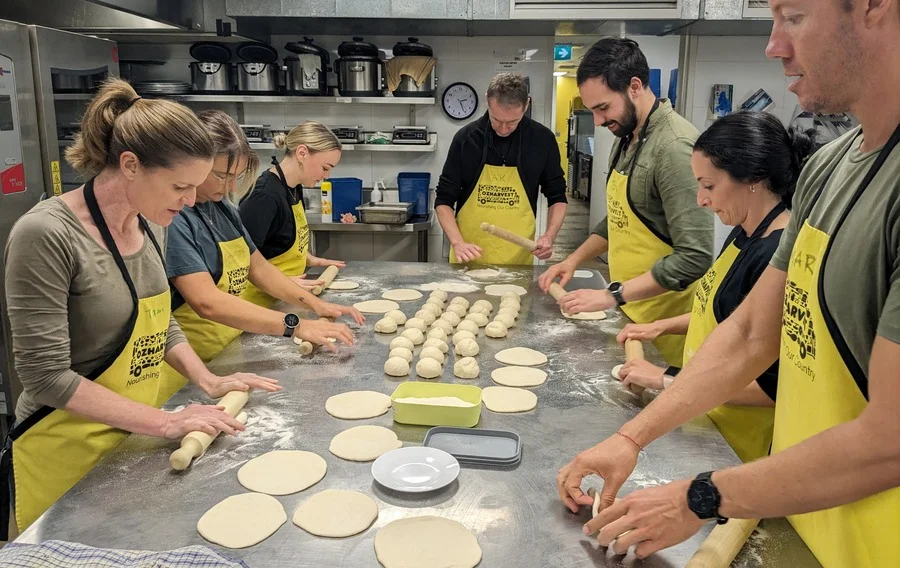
[627, 123]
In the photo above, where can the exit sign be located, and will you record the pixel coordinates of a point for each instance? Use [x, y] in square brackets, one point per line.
[562, 52]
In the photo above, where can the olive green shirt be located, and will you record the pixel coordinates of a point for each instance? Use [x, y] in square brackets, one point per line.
[68, 303]
[663, 192]
[862, 271]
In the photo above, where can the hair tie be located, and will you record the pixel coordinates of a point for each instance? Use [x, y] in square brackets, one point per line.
[134, 100]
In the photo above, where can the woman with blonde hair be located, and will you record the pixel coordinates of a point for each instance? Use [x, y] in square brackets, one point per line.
[212, 261]
[89, 304]
[273, 212]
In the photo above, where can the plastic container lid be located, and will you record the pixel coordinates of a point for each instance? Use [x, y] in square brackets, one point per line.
[257, 52]
[413, 47]
[210, 52]
[476, 446]
[358, 47]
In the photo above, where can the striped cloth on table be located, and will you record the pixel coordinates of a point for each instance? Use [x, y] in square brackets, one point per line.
[61, 554]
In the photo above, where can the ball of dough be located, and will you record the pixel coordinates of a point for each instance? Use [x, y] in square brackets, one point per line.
[479, 310]
[436, 333]
[507, 320]
[467, 348]
[442, 294]
[386, 325]
[460, 300]
[416, 323]
[432, 353]
[397, 316]
[513, 312]
[615, 372]
[438, 343]
[415, 335]
[443, 324]
[484, 304]
[466, 368]
[451, 317]
[428, 368]
[426, 316]
[402, 342]
[396, 367]
[509, 296]
[457, 309]
[433, 308]
[436, 302]
[495, 329]
[460, 335]
[511, 304]
[480, 319]
[468, 325]
[402, 352]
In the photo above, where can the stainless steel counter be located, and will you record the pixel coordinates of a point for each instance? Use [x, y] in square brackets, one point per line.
[133, 500]
[371, 242]
[370, 227]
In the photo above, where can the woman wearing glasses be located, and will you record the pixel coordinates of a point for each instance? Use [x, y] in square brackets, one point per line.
[211, 260]
[273, 213]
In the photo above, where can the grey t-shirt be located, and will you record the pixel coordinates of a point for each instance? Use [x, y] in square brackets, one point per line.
[193, 248]
[862, 270]
[68, 303]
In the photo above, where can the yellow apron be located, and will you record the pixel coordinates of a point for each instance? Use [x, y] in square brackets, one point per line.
[499, 197]
[209, 338]
[747, 429]
[818, 391]
[292, 262]
[633, 250]
[53, 449]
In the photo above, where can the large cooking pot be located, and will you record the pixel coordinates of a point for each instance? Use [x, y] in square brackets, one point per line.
[307, 71]
[408, 86]
[258, 72]
[360, 71]
[210, 77]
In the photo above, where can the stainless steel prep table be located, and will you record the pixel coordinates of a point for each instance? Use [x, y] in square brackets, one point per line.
[371, 241]
[133, 500]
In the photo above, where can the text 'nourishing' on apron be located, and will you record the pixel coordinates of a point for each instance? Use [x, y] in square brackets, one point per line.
[634, 247]
[209, 338]
[747, 429]
[817, 391]
[291, 262]
[53, 449]
[499, 198]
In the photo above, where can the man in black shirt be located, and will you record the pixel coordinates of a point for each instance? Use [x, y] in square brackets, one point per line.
[494, 169]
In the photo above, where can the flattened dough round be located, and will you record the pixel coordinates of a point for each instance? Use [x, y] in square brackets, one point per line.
[364, 443]
[521, 356]
[508, 399]
[336, 513]
[437, 542]
[282, 472]
[483, 273]
[342, 285]
[402, 295]
[519, 376]
[583, 274]
[500, 289]
[356, 405]
[601, 315]
[242, 520]
[615, 372]
[376, 306]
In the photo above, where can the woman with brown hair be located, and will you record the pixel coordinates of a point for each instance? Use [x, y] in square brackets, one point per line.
[211, 261]
[89, 303]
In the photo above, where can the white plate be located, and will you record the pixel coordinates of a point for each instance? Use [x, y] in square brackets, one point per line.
[415, 469]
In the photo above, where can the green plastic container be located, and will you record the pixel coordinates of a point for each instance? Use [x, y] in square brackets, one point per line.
[429, 415]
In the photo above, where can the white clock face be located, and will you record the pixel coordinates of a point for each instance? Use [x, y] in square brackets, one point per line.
[460, 101]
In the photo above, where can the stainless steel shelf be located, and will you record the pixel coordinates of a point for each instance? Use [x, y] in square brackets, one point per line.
[430, 147]
[274, 99]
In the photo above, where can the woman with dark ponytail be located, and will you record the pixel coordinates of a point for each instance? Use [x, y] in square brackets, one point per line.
[747, 165]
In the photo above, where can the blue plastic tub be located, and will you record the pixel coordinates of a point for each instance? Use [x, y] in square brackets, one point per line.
[346, 196]
[413, 188]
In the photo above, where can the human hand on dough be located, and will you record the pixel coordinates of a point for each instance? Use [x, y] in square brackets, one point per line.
[586, 301]
[318, 332]
[612, 459]
[218, 386]
[304, 282]
[564, 271]
[642, 373]
[328, 310]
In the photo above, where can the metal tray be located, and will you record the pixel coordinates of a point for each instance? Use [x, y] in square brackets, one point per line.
[385, 213]
[480, 447]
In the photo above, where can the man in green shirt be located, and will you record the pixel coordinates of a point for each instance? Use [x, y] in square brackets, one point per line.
[659, 240]
[828, 306]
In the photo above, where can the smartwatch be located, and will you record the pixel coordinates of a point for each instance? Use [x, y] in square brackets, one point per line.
[616, 289]
[291, 321]
[704, 499]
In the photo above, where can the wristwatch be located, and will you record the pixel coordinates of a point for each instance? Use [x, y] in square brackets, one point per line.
[616, 289]
[704, 499]
[291, 321]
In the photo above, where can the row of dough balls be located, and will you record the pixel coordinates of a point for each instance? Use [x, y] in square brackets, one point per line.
[506, 316]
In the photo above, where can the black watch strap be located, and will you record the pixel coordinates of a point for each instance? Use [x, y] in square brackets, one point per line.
[704, 498]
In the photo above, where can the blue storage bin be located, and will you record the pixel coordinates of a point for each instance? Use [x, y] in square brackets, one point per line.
[346, 196]
[413, 188]
[656, 82]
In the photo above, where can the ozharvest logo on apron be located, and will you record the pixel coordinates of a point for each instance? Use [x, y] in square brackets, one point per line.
[149, 352]
[796, 319]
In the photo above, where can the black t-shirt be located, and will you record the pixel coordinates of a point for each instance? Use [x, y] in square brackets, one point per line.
[746, 270]
[268, 217]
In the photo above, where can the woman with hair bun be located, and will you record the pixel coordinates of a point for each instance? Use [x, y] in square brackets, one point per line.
[273, 212]
[89, 302]
[746, 165]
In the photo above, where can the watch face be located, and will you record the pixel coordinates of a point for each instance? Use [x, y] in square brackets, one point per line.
[291, 320]
[614, 287]
[702, 499]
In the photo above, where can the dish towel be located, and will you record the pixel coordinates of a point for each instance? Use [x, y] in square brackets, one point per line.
[61, 554]
[417, 67]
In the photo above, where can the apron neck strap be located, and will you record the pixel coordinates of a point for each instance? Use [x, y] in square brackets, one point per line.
[767, 221]
[642, 136]
[291, 190]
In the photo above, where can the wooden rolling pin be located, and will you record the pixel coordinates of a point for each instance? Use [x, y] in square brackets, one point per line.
[195, 443]
[306, 347]
[326, 278]
[723, 544]
[508, 236]
[634, 350]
